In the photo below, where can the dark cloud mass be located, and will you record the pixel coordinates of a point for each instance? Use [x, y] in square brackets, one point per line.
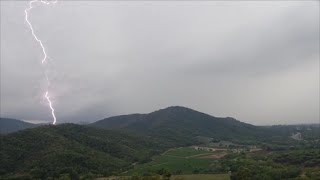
[255, 61]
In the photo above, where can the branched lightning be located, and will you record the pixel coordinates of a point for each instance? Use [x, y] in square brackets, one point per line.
[44, 60]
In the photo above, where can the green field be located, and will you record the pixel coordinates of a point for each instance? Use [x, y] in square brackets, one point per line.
[176, 177]
[185, 152]
[177, 161]
[202, 177]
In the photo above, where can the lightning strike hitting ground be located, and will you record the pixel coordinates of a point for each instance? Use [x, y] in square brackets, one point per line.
[44, 60]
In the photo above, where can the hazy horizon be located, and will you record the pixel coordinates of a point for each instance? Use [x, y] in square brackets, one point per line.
[91, 121]
[257, 62]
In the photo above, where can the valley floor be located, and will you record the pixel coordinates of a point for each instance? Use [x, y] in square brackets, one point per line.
[217, 163]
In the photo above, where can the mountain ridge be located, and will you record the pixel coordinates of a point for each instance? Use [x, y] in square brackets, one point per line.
[184, 122]
[8, 125]
[113, 145]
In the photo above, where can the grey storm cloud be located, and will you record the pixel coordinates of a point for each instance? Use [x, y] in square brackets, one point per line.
[255, 61]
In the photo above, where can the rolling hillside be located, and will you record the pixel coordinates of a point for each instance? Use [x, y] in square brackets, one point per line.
[113, 145]
[48, 151]
[12, 125]
[177, 123]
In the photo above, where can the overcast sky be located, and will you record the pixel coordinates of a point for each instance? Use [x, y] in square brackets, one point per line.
[255, 61]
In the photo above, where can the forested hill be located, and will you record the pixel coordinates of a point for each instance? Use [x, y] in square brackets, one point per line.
[12, 125]
[121, 141]
[179, 123]
[48, 151]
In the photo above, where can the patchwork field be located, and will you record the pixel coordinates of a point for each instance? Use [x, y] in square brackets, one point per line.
[184, 160]
[202, 177]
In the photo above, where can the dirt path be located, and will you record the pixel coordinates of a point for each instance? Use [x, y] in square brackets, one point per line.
[187, 157]
[170, 150]
[199, 155]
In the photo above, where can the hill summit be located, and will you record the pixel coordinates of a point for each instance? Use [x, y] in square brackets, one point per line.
[182, 122]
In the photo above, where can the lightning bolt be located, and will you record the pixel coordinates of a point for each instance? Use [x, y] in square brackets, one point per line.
[45, 57]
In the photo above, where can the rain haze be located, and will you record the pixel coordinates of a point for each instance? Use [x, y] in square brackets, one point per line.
[255, 61]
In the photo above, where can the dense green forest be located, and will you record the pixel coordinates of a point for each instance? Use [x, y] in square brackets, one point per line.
[68, 148]
[177, 123]
[140, 145]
